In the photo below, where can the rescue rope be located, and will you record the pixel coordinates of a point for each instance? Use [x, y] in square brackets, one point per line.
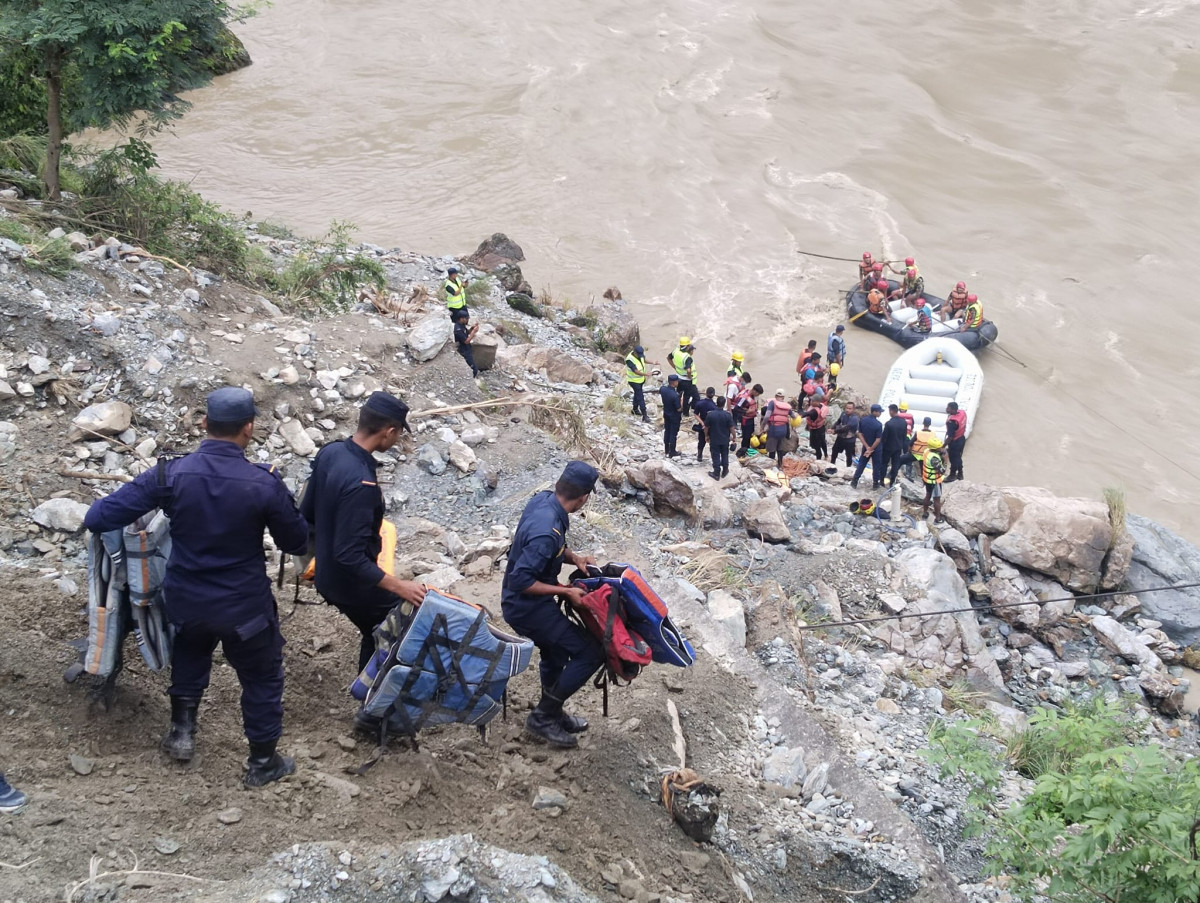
[829, 257]
[954, 611]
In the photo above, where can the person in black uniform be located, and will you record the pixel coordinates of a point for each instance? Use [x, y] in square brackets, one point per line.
[672, 405]
[570, 655]
[895, 443]
[344, 506]
[700, 410]
[216, 587]
[720, 428]
[463, 336]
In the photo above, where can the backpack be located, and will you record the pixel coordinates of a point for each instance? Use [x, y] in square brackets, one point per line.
[644, 611]
[602, 612]
[443, 664]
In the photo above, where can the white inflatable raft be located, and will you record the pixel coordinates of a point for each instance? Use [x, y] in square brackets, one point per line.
[931, 375]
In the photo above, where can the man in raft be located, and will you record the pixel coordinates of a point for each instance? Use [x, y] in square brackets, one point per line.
[973, 315]
[956, 302]
[877, 301]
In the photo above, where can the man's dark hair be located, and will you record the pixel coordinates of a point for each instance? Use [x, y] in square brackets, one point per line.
[721, 403]
[812, 343]
[816, 356]
[758, 388]
[372, 422]
[710, 392]
[225, 429]
[953, 406]
[569, 491]
[745, 377]
[894, 409]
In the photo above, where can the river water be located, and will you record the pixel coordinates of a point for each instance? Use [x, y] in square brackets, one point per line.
[687, 151]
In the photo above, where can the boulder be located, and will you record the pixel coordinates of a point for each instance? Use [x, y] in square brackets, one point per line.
[292, 432]
[440, 578]
[430, 336]
[667, 485]
[615, 329]
[974, 508]
[764, 519]
[785, 767]
[524, 304]
[106, 418]
[461, 456]
[1003, 596]
[1066, 539]
[1117, 561]
[494, 251]
[431, 459]
[1165, 694]
[729, 613]
[1125, 643]
[65, 515]
[715, 509]
[560, 366]
[510, 278]
[1163, 558]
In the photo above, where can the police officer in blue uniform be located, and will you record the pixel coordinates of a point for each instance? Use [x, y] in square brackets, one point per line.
[344, 506]
[570, 655]
[216, 588]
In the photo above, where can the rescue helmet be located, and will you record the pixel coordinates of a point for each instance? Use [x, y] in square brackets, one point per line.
[972, 297]
[684, 341]
[754, 443]
[881, 285]
[911, 271]
[920, 302]
[909, 262]
[867, 258]
[796, 421]
[961, 286]
[738, 356]
[878, 267]
[835, 369]
[904, 405]
[935, 442]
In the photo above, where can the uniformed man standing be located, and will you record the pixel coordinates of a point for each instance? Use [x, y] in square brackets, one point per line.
[570, 655]
[344, 505]
[635, 374]
[456, 292]
[216, 588]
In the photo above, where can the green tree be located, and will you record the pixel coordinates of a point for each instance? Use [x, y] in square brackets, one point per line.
[132, 59]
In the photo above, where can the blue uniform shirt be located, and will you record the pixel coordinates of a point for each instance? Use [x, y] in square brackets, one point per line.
[670, 402]
[870, 428]
[720, 425]
[344, 504]
[537, 553]
[219, 504]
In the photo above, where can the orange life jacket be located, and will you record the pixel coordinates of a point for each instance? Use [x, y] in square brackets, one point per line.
[781, 413]
[958, 300]
[805, 356]
[875, 301]
[816, 423]
[746, 398]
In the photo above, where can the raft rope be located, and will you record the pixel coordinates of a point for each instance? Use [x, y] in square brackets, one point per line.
[992, 607]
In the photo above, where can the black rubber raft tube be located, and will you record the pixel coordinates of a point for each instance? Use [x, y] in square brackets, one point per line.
[856, 303]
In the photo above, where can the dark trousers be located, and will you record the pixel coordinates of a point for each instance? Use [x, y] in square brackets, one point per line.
[747, 432]
[468, 355]
[816, 439]
[876, 460]
[366, 616]
[257, 660]
[687, 391]
[903, 459]
[639, 399]
[570, 655]
[956, 454]
[719, 451]
[701, 442]
[670, 434]
[845, 444]
[455, 311]
[893, 459]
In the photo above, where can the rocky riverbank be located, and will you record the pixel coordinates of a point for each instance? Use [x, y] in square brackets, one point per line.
[814, 733]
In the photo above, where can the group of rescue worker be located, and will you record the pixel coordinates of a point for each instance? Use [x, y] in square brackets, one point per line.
[910, 292]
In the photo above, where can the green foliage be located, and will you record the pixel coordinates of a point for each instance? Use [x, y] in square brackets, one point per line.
[1120, 825]
[272, 229]
[1055, 741]
[49, 255]
[959, 748]
[328, 274]
[478, 291]
[14, 230]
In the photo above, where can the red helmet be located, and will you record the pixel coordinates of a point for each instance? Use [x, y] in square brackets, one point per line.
[878, 267]
[881, 285]
[912, 271]
[867, 257]
[972, 297]
[908, 262]
[920, 302]
[961, 286]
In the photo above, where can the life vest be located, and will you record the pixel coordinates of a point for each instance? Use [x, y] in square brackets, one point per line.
[933, 469]
[781, 413]
[973, 318]
[864, 270]
[444, 664]
[456, 294]
[876, 301]
[635, 369]
[645, 612]
[959, 419]
[747, 404]
[908, 419]
[818, 422]
[732, 381]
[684, 366]
[921, 442]
[805, 357]
[923, 322]
[957, 299]
[736, 368]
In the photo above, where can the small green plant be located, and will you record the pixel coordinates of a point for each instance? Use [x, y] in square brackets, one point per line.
[960, 696]
[479, 291]
[1114, 498]
[272, 229]
[1054, 740]
[960, 748]
[14, 230]
[328, 273]
[52, 256]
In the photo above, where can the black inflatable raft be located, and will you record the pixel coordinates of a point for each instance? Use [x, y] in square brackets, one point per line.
[898, 330]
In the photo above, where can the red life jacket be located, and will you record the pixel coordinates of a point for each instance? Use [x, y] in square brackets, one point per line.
[907, 418]
[747, 405]
[731, 381]
[959, 420]
[603, 614]
[781, 413]
[805, 356]
[958, 300]
[816, 423]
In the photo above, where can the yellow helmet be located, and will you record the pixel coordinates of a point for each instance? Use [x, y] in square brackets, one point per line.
[684, 341]
[796, 421]
[754, 443]
[935, 442]
[835, 369]
[738, 356]
[904, 405]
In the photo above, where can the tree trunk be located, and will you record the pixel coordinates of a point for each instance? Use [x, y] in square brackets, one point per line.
[53, 123]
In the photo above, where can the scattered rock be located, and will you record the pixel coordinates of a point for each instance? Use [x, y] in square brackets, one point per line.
[549, 798]
[785, 767]
[730, 615]
[107, 419]
[230, 816]
[166, 846]
[430, 336]
[461, 456]
[81, 765]
[764, 519]
[64, 515]
[668, 485]
[1124, 643]
[293, 433]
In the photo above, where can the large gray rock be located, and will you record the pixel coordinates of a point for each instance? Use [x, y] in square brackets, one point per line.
[430, 336]
[764, 519]
[1004, 599]
[785, 767]
[713, 505]
[65, 515]
[106, 418]
[9, 434]
[494, 251]
[667, 484]
[560, 366]
[1066, 539]
[1125, 643]
[1163, 558]
[729, 613]
[292, 432]
[975, 508]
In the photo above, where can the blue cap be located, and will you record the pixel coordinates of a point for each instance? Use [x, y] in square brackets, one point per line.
[876, 409]
[673, 378]
[390, 407]
[581, 475]
[452, 271]
[230, 405]
[638, 349]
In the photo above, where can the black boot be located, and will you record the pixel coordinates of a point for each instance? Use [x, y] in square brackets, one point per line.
[544, 722]
[573, 724]
[266, 765]
[180, 741]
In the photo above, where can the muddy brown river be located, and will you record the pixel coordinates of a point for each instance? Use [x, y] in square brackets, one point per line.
[687, 151]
